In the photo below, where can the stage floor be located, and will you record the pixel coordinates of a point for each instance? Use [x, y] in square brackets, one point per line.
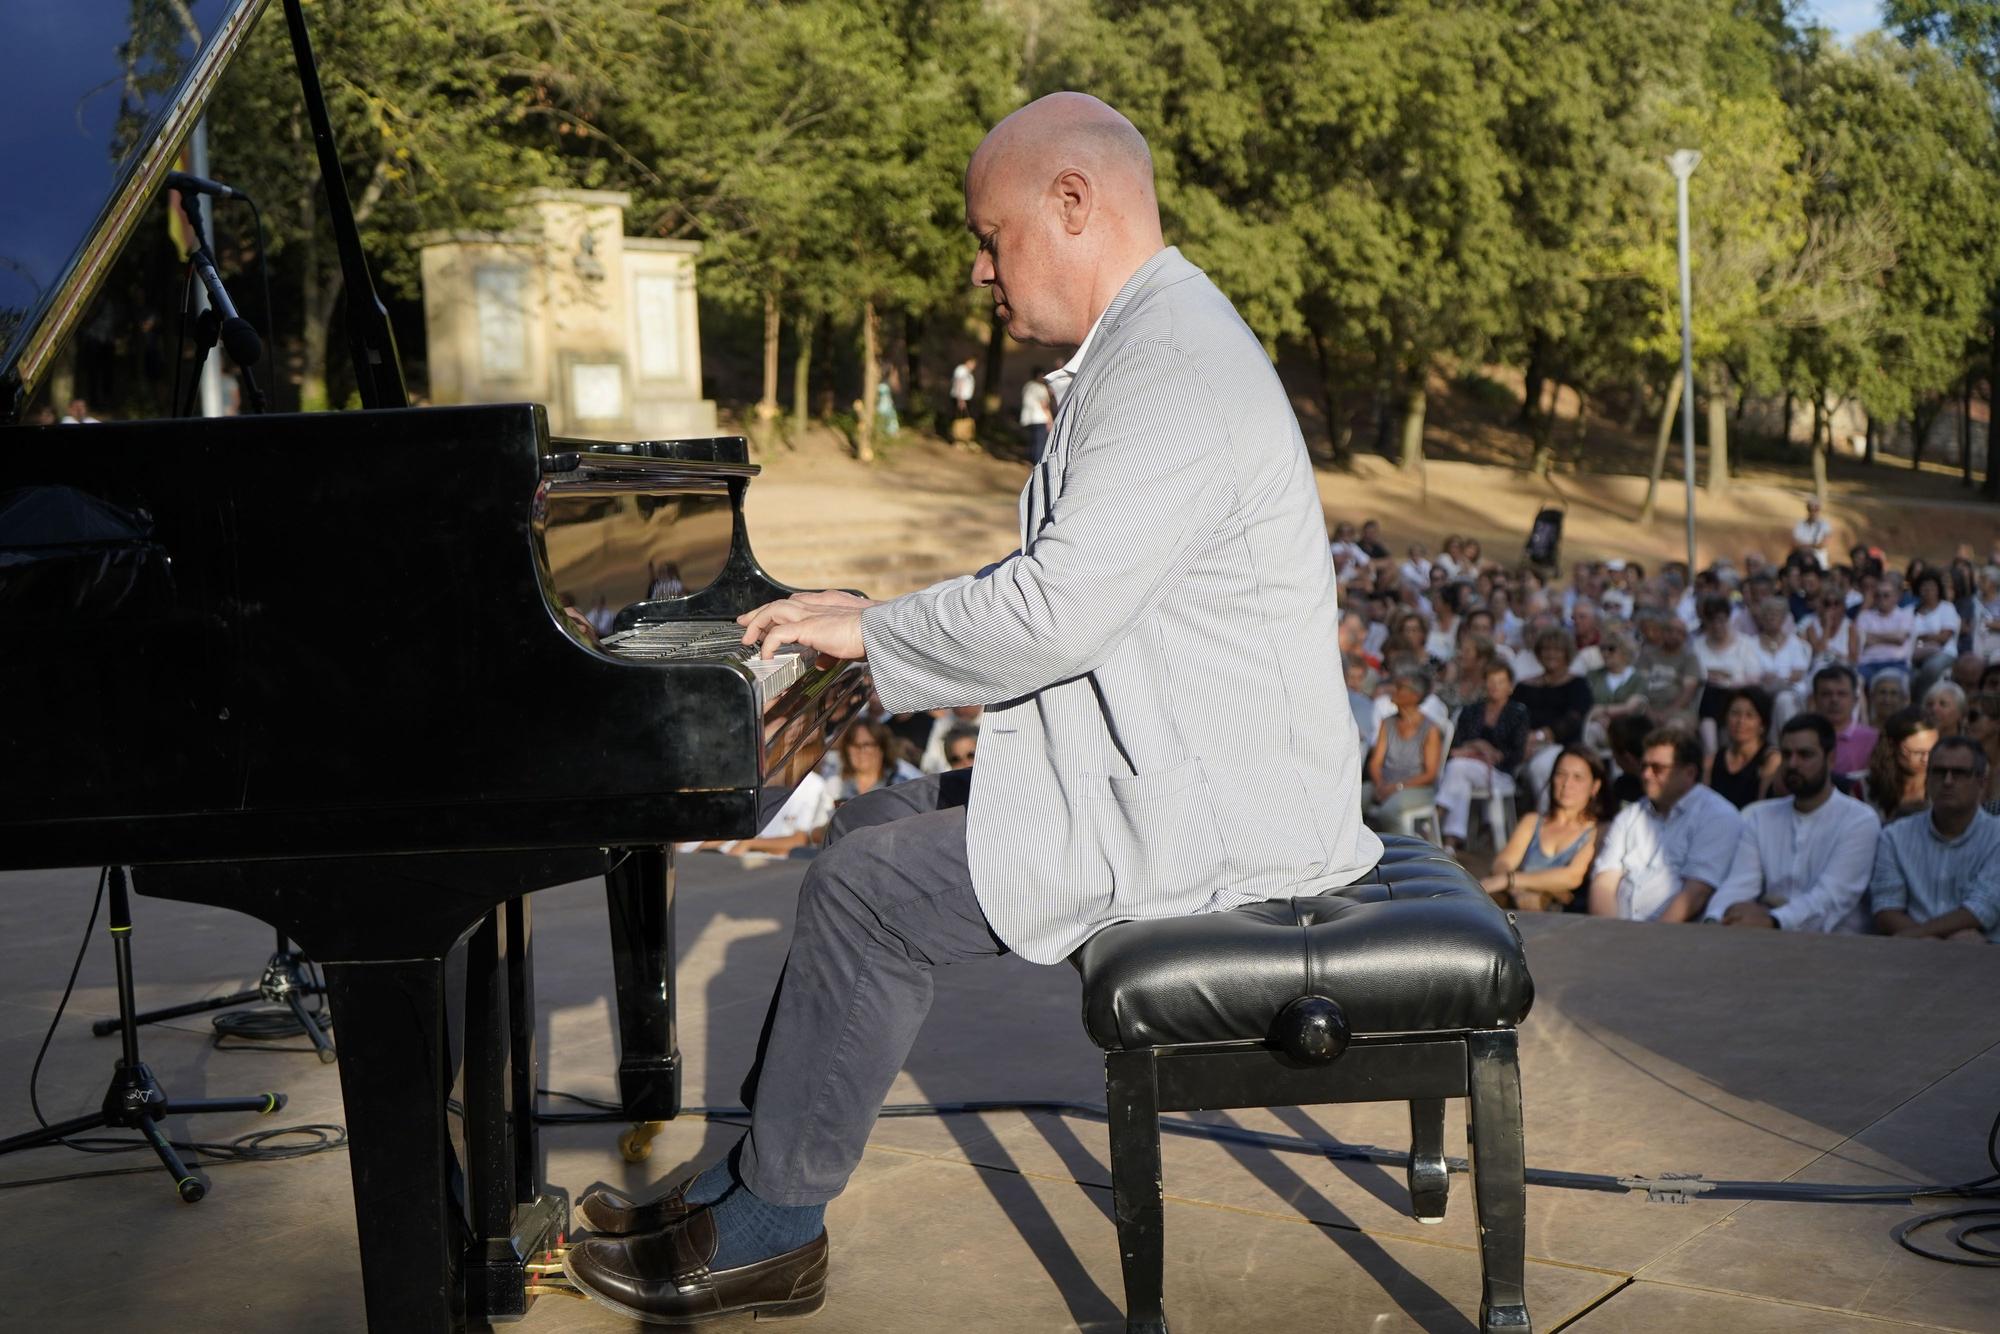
[1740, 1055]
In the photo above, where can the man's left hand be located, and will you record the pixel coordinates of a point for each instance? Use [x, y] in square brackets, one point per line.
[828, 621]
[1749, 913]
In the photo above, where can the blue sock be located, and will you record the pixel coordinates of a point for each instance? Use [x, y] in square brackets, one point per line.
[750, 1229]
[716, 1180]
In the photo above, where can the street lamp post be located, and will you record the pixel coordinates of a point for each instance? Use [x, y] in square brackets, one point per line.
[1682, 163]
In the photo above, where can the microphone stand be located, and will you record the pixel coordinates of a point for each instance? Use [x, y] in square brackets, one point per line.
[239, 338]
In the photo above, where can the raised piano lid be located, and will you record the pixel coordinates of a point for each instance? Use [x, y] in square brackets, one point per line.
[96, 97]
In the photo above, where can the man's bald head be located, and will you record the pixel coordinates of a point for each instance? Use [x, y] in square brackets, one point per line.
[1066, 130]
[1060, 194]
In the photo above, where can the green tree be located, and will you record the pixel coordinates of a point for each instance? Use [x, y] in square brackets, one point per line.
[430, 105]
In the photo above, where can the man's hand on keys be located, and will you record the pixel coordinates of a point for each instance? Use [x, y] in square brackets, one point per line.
[829, 621]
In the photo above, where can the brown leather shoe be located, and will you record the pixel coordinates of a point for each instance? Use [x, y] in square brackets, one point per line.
[607, 1210]
[663, 1277]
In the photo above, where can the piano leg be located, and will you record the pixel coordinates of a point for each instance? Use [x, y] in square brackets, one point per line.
[640, 894]
[513, 1219]
[393, 1078]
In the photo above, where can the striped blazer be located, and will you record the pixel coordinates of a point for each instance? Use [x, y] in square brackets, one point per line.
[1167, 727]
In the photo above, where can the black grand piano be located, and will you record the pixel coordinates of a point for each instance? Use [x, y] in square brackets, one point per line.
[319, 669]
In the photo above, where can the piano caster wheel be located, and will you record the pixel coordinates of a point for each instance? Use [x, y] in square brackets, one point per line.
[636, 1144]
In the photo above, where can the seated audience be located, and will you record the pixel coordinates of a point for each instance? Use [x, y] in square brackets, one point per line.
[1465, 680]
[1896, 782]
[1447, 601]
[1803, 861]
[1408, 637]
[1746, 763]
[931, 759]
[1829, 632]
[1944, 708]
[869, 758]
[1783, 659]
[1360, 698]
[961, 744]
[1888, 695]
[1486, 749]
[1557, 704]
[1937, 872]
[1670, 669]
[1885, 633]
[1545, 863]
[1663, 857]
[1409, 749]
[1967, 669]
[1728, 661]
[1616, 688]
[1935, 623]
[1833, 698]
[1986, 614]
[1982, 724]
[1626, 740]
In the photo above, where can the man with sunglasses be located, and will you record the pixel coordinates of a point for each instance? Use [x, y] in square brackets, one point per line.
[1803, 861]
[1664, 856]
[1937, 872]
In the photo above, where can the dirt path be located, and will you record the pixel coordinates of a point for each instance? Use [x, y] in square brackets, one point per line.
[927, 512]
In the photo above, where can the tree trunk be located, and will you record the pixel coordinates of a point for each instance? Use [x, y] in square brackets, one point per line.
[1580, 441]
[802, 330]
[1868, 443]
[1992, 391]
[913, 359]
[996, 352]
[871, 375]
[1920, 434]
[1660, 442]
[1545, 431]
[1965, 430]
[1787, 437]
[1415, 400]
[1822, 440]
[767, 406]
[1534, 380]
[1338, 441]
[1718, 438]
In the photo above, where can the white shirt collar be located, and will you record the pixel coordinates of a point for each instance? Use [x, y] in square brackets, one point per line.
[1059, 379]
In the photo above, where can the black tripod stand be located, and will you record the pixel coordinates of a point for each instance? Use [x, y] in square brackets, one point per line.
[135, 1100]
[286, 981]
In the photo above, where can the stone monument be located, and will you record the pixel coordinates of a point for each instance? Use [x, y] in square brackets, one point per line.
[568, 311]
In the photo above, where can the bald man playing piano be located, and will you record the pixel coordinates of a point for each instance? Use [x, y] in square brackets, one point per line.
[1166, 729]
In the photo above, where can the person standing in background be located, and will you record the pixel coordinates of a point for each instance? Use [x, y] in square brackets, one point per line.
[1037, 410]
[963, 386]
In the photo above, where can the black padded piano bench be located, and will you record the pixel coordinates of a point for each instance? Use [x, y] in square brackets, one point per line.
[1406, 987]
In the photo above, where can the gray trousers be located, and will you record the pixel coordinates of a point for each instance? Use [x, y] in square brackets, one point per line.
[887, 901]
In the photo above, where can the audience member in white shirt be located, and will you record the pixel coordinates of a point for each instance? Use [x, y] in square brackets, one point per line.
[1803, 861]
[1347, 553]
[1664, 856]
[1986, 614]
[1416, 571]
[1783, 659]
[1811, 533]
[1728, 660]
[1885, 632]
[1936, 624]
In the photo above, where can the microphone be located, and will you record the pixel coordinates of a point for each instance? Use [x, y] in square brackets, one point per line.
[199, 185]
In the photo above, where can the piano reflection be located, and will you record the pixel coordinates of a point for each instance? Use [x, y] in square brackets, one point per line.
[319, 669]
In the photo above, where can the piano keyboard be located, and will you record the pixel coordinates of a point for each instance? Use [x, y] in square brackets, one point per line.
[681, 641]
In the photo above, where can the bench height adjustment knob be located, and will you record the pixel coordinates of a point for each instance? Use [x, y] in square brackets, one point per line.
[1311, 1029]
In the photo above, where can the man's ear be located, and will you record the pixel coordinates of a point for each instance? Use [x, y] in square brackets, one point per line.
[1075, 197]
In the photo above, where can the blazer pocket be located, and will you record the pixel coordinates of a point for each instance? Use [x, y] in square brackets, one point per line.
[1148, 838]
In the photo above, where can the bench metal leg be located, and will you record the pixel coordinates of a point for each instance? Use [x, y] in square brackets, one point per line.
[1499, 1186]
[1133, 1100]
[1430, 1182]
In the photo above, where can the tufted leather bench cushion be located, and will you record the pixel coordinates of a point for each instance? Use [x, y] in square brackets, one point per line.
[1415, 947]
